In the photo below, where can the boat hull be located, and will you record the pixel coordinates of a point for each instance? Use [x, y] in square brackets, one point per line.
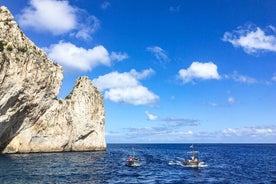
[191, 163]
[134, 162]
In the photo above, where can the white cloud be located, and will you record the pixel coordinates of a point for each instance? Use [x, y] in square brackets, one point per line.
[121, 80]
[229, 131]
[143, 74]
[73, 57]
[136, 95]
[58, 17]
[199, 70]
[159, 53]
[252, 39]
[115, 80]
[151, 117]
[125, 88]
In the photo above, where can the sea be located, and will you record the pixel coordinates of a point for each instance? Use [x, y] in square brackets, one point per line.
[159, 163]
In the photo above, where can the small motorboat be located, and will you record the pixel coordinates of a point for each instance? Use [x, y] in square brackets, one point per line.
[133, 161]
[193, 162]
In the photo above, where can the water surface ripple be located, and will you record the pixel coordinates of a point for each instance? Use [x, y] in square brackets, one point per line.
[160, 163]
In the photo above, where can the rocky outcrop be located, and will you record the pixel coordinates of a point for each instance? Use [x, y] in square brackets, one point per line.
[32, 119]
[73, 124]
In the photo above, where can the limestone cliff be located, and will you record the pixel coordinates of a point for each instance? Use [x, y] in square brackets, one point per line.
[31, 118]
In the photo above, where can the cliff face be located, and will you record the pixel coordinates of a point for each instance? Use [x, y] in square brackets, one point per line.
[31, 118]
[73, 124]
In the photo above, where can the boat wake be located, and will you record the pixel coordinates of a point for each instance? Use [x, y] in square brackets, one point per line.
[176, 163]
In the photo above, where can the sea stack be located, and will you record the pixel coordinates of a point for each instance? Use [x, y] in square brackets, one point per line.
[32, 119]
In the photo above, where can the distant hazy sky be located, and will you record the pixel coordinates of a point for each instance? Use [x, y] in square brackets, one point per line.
[170, 71]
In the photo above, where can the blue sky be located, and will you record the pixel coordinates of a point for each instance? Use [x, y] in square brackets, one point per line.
[170, 71]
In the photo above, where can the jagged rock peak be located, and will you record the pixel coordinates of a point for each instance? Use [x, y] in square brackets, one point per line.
[5, 14]
[85, 84]
[32, 119]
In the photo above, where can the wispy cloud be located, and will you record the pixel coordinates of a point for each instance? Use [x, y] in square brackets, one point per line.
[58, 17]
[176, 120]
[251, 131]
[105, 5]
[214, 104]
[88, 28]
[167, 133]
[198, 70]
[118, 56]
[242, 78]
[273, 78]
[231, 100]
[252, 39]
[77, 58]
[159, 54]
[181, 121]
[175, 8]
[227, 103]
[126, 87]
[158, 134]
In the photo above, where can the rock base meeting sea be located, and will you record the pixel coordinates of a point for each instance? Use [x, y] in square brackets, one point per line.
[32, 118]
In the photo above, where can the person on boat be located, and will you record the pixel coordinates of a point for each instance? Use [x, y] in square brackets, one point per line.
[194, 159]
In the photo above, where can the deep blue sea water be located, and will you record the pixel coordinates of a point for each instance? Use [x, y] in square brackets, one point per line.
[160, 163]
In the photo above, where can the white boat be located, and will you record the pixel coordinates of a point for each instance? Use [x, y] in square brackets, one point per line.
[133, 161]
[193, 162]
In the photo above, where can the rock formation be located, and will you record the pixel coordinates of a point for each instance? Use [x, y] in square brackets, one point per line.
[32, 119]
